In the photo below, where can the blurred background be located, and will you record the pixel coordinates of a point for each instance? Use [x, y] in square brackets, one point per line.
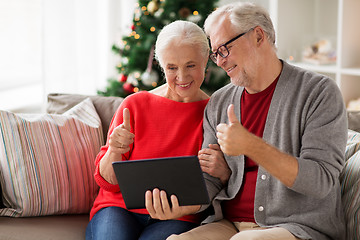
[106, 46]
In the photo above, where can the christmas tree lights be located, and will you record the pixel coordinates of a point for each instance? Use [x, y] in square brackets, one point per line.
[138, 70]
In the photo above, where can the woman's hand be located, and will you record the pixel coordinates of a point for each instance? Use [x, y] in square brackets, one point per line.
[121, 138]
[212, 161]
[119, 143]
[158, 206]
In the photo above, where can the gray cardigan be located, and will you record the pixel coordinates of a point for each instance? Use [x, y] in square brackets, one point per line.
[306, 119]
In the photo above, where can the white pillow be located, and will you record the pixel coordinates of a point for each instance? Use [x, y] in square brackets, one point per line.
[47, 161]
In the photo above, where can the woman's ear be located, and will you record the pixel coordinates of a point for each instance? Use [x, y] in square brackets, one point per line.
[206, 60]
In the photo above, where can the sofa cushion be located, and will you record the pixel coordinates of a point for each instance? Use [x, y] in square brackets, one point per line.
[350, 185]
[69, 227]
[47, 161]
[105, 106]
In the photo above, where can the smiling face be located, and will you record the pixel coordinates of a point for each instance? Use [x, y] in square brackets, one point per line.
[184, 68]
[240, 64]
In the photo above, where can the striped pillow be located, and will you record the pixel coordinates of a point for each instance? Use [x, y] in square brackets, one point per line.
[47, 161]
[350, 185]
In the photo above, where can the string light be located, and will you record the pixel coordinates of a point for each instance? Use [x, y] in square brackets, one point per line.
[154, 84]
[152, 29]
[137, 36]
[137, 75]
[143, 8]
[136, 89]
[195, 13]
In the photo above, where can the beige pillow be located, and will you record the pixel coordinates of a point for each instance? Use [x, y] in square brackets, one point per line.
[105, 106]
[354, 120]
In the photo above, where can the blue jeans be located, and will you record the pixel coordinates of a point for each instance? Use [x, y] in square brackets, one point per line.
[115, 223]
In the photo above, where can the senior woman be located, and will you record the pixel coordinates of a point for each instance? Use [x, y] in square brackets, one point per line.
[162, 123]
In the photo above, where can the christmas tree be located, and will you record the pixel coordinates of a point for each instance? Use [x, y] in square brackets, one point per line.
[138, 70]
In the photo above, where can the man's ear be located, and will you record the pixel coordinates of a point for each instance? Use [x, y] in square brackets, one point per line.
[260, 35]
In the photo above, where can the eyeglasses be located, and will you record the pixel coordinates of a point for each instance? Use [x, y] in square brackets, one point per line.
[223, 51]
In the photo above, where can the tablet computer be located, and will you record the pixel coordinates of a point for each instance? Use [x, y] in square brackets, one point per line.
[181, 176]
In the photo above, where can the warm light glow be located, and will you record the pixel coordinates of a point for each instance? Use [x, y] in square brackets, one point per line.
[152, 29]
[146, 13]
[137, 75]
[119, 65]
[154, 84]
[137, 36]
[143, 8]
[136, 89]
[195, 13]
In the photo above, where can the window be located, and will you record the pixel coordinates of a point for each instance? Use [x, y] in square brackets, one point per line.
[21, 52]
[57, 46]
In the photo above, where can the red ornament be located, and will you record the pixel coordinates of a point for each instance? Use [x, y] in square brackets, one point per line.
[129, 88]
[123, 78]
[133, 27]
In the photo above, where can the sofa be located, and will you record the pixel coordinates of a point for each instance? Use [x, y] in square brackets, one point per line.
[65, 215]
[46, 167]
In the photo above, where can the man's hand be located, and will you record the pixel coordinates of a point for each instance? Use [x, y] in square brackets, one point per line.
[158, 206]
[233, 137]
[212, 161]
[235, 140]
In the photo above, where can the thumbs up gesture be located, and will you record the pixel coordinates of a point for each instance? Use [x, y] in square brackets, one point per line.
[126, 119]
[121, 137]
[233, 137]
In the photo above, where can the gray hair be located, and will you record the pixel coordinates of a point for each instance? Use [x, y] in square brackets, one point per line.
[243, 17]
[181, 32]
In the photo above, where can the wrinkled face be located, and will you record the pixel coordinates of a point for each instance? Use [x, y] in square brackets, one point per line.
[240, 63]
[184, 68]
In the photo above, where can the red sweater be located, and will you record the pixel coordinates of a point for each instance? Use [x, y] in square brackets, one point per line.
[162, 128]
[254, 111]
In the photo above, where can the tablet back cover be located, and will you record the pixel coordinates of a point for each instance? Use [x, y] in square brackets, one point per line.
[181, 176]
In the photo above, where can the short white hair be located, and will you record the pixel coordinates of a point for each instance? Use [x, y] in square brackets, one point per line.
[243, 17]
[181, 32]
